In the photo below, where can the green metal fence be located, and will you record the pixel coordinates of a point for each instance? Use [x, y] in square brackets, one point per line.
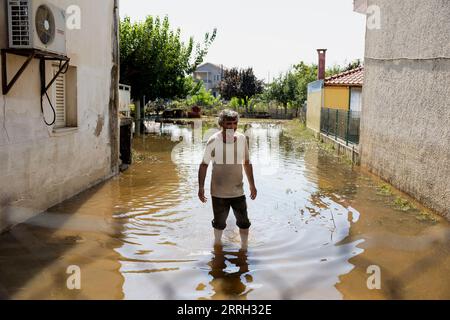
[340, 124]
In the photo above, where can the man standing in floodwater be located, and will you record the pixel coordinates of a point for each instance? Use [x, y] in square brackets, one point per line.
[228, 149]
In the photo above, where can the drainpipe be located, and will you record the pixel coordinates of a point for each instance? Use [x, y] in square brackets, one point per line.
[114, 90]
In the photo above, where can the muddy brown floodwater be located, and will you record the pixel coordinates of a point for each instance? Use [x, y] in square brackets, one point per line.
[319, 229]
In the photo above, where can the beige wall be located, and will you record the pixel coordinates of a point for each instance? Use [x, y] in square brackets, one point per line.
[40, 167]
[405, 125]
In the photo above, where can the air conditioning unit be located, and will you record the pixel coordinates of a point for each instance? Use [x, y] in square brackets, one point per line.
[36, 24]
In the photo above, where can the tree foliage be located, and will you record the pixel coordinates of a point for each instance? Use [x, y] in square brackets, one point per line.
[242, 84]
[230, 84]
[203, 98]
[339, 69]
[154, 60]
[291, 89]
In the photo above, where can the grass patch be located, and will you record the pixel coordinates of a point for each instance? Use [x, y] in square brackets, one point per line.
[347, 160]
[403, 204]
[297, 130]
[384, 190]
[426, 217]
[328, 147]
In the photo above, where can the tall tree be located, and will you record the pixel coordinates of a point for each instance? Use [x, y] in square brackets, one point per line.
[230, 84]
[290, 89]
[249, 85]
[154, 60]
[304, 74]
[242, 84]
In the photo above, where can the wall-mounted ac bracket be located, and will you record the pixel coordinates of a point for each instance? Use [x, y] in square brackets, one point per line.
[30, 54]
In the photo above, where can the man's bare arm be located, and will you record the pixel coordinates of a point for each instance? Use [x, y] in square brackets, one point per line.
[201, 181]
[248, 168]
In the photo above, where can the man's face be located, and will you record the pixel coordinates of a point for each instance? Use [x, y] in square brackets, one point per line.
[229, 127]
[230, 124]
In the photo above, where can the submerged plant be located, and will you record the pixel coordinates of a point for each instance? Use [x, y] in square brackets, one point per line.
[138, 157]
[403, 204]
[384, 189]
[426, 217]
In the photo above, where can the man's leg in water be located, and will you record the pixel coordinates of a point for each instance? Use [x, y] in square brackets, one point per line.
[244, 238]
[217, 237]
[239, 206]
[221, 208]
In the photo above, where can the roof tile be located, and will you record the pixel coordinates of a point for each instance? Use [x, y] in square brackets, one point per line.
[353, 77]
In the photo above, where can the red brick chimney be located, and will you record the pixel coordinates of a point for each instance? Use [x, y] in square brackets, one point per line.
[321, 73]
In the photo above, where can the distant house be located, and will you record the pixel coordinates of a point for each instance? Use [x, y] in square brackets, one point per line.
[344, 90]
[334, 107]
[211, 75]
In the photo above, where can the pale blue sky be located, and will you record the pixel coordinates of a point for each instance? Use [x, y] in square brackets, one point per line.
[268, 35]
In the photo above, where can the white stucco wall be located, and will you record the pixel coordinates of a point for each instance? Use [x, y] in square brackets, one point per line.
[38, 167]
[405, 124]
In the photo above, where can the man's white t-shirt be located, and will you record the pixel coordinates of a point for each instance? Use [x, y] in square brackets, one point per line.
[227, 158]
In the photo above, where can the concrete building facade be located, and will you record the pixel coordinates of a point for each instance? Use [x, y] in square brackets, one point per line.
[405, 124]
[42, 165]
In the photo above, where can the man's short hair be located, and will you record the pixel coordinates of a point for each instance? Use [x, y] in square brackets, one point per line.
[228, 115]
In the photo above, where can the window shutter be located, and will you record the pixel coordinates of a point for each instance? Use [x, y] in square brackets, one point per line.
[59, 98]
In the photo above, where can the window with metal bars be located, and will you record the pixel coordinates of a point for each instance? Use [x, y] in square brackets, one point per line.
[20, 28]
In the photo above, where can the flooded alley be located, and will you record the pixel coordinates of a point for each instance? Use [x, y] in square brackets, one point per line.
[318, 226]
